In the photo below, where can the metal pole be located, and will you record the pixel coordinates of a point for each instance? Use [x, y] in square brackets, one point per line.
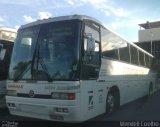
[151, 41]
[149, 27]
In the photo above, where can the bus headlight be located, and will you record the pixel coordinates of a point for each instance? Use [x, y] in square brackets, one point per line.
[11, 93]
[63, 96]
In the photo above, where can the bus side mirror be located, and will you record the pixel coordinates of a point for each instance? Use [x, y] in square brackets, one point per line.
[90, 46]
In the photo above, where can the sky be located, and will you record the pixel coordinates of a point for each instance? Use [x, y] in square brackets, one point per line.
[121, 16]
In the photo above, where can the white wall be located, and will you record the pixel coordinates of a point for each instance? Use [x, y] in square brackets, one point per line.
[149, 34]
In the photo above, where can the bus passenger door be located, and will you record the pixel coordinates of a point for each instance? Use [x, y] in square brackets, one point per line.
[91, 61]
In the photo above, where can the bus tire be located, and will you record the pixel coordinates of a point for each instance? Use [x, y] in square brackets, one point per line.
[112, 101]
[150, 94]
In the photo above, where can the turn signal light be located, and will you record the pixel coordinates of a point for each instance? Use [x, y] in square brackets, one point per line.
[71, 96]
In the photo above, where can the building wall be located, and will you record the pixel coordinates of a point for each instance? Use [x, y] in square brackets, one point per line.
[149, 35]
[8, 35]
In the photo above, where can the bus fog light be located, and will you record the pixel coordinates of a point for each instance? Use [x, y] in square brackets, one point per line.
[59, 109]
[62, 110]
[11, 105]
[65, 110]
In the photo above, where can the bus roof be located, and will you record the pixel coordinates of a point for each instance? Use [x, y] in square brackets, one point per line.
[79, 17]
[60, 18]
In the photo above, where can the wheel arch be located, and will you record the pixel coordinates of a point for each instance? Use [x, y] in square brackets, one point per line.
[116, 91]
[150, 89]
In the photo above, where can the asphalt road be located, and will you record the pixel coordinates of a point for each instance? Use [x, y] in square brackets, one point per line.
[144, 109]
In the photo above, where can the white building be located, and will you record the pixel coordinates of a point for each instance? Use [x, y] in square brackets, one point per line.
[8, 33]
[149, 39]
[150, 31]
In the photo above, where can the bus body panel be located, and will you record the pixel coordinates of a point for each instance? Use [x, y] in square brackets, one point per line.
[90, 96]
[93, 96]
[45, 108]
[131, 80]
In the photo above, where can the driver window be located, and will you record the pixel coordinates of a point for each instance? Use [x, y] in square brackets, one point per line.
[91, 62]
[90, 32]
[95, 58]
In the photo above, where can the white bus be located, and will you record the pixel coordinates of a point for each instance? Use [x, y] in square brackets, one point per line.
[72, 68]
[7, 37]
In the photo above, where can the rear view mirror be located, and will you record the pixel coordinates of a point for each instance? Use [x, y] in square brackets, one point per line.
[2, 52]
[90, 46]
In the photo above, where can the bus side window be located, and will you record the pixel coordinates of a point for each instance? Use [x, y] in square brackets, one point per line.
[124, 54]
[141, 58]
[147, 58]
[134, 55]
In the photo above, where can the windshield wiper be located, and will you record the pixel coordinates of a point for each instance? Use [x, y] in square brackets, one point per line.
[21, 69]
[43, 65]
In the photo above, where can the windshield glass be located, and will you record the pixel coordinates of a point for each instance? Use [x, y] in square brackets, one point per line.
[46, 52]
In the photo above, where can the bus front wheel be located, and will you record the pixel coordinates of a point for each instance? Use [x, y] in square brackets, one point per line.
[112, 102]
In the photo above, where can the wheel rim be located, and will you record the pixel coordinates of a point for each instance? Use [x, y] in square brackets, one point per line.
[110, 103]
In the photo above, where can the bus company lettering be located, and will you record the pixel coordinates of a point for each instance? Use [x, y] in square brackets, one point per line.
[15, 86]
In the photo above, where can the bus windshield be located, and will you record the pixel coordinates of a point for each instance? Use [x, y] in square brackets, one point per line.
[46, 52]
